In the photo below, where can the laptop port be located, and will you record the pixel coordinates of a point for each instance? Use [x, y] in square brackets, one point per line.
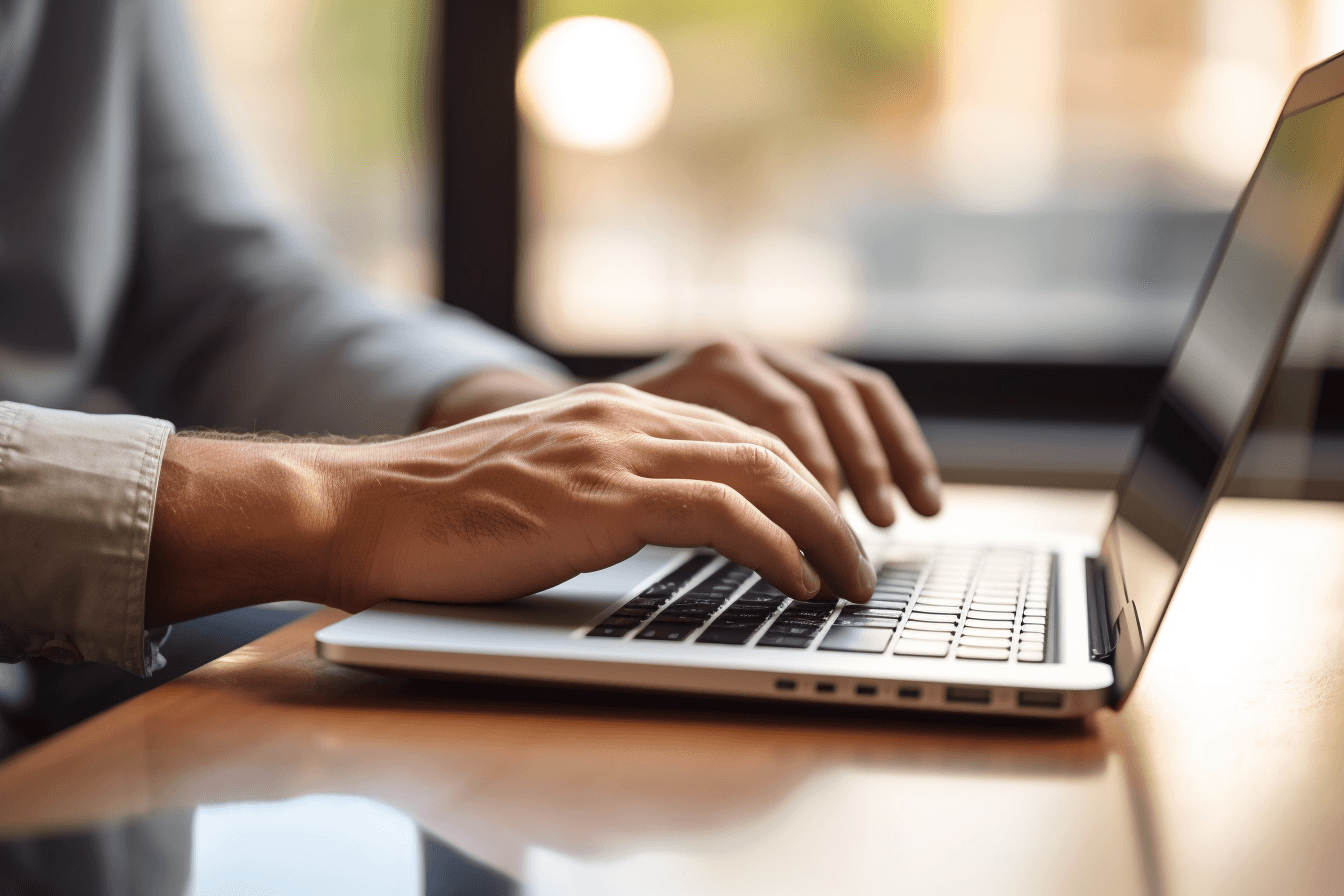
[1040, 699]
[785, 684]
[968, 695]
[908, 693]
[825, 687]
[866, 690]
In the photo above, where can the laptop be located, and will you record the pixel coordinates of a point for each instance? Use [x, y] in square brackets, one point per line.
[1000, 625]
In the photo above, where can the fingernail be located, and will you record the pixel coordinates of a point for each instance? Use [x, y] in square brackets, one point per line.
[933, 488]
[811, 581]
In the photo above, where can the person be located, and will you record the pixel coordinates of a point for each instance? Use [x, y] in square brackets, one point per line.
[135, 261]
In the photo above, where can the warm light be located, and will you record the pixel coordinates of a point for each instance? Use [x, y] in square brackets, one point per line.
[596, 84]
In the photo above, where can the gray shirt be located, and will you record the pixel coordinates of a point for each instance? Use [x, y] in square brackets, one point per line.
[134, 257]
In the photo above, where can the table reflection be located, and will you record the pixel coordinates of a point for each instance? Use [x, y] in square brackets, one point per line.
[329, 844]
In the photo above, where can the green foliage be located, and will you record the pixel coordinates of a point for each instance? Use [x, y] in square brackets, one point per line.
[366, 67]
[854, 35]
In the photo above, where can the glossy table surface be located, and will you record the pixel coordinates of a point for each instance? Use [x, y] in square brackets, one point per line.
[1224, 773]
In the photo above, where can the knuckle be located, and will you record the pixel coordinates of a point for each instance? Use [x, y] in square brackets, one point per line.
[715, 498]
[724, 349]
[606, 392]
[757, 461]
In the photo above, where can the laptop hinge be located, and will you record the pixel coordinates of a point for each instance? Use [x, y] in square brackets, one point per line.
[1099, 631]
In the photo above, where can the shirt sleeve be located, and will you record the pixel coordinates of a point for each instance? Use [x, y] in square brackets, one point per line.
[233, 321]
[76, 510]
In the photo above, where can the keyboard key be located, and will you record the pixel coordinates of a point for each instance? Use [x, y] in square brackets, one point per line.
[973, 641]
[610, 631]
[866, 622]
[998, 625]
[917, 616]
[1033, 627]
[981, 653]
[875, 612]
[1000, 617]
[954, 603]
[677, 579]
[1032, 637]
[948, 627]
[741, 621]
[667, 631]
[694, 619]
[913, 647]
[918, 635]
[793, 628]
[856, 640]
[769, 639]
[716, 635]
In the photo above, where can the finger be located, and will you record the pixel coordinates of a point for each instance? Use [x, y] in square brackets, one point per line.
[669, 418]
[776, 489]
[691, 430]
[912, 462]
[696, 513]
[758, 394]
[851, 430]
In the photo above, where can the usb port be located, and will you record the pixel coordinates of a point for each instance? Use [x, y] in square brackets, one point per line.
[785, 684]
[825, 687]
[866, 690]
[908, 693]
[967, 695]
[1040, 699]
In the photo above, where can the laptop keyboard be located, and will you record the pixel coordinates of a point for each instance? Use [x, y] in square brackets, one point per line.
[989, 604]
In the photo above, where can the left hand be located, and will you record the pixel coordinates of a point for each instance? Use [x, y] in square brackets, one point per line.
[837, 416]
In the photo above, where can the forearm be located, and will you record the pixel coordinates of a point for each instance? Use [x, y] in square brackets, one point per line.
[238, 522]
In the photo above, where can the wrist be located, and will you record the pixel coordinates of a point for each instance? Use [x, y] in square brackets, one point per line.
[239, 522]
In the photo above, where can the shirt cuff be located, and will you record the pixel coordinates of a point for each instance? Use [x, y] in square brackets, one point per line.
[77, 496]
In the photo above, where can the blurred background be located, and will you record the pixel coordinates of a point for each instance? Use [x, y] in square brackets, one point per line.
[1008, 204]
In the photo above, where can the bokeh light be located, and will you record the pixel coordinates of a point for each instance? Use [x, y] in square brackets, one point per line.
[595, 84]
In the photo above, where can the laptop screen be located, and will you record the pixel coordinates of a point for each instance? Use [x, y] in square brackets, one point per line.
[1216, 379]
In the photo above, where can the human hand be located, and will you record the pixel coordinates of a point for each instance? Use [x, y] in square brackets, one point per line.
[489, 390]
[838, 417]
[500, 506]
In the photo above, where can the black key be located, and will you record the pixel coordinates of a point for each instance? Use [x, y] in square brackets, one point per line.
[667, 631]
[712, 603]
[796, 628]
[748, 624]
[764, 604]
[677, 579]
[745, 617]
[882, 612]
[867, 622]
[610, 631]
[697, 619]
[644, 603]
[808, 610]
[716, 635]
[769, 639]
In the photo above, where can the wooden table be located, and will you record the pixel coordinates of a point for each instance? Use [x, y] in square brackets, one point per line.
[1223, 774]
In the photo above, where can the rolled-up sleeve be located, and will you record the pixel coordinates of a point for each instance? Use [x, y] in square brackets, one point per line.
[77, 498]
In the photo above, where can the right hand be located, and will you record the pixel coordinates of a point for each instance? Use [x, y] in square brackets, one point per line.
[497, 507]
[525, 498]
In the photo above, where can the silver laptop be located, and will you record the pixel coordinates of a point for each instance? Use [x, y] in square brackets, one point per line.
[1000, 626]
